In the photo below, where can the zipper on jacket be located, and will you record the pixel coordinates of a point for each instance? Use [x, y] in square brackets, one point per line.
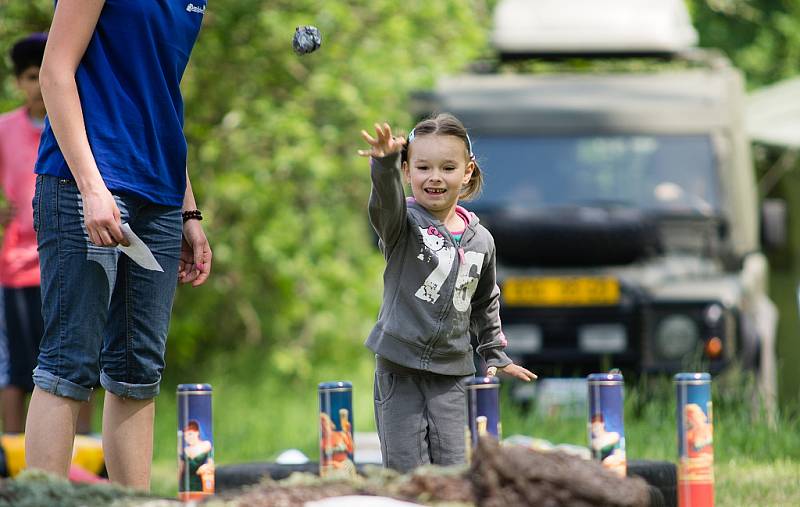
[426, 356]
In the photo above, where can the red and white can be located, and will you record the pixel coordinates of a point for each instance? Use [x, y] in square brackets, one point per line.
[695, 440]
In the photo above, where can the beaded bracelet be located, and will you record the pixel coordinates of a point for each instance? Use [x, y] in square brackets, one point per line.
[193, 214]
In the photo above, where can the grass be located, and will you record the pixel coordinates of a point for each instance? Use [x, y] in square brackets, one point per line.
[746, 482]
[257, 415]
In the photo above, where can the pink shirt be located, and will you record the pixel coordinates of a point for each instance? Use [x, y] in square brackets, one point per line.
[19, 144]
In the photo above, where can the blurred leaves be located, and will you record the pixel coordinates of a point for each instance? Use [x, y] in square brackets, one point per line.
[762, 37]
[18, 18]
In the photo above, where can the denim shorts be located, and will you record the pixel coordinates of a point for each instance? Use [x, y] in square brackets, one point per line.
[105, 317]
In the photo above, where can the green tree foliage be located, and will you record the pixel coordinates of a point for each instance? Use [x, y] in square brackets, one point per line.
[16, 20]
[762, 37]
[273, 139]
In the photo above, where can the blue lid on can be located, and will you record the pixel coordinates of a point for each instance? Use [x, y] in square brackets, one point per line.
[689, 377]
[337, 384]
[183, 388]
[474, 381]
[605, 377]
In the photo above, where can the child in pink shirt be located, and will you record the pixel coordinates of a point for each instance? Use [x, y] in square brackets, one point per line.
[19, 260]
[20, 131]
[19, 143]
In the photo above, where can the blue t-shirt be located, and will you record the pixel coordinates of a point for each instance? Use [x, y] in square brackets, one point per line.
[129, 86]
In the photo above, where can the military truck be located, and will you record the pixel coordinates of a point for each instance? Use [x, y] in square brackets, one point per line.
[622, 200]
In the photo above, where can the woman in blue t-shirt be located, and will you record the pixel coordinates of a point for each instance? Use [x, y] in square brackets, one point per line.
[111, 168]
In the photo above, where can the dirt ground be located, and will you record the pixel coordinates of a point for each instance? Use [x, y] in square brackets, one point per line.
[499, 476]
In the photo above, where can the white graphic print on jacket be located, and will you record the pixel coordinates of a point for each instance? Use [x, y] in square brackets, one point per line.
[468, 270]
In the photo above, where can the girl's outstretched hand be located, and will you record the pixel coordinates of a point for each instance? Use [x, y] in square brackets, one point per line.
[512, 370]
[383, 143]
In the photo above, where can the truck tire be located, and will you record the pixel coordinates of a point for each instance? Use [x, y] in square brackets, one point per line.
[581, 236]
[662, 475]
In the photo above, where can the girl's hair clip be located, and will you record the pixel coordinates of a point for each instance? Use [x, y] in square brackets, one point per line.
[469, 147]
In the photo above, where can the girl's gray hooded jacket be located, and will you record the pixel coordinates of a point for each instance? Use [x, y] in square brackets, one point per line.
[435, 292]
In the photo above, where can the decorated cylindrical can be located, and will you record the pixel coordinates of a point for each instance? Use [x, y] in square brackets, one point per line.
[336, 428]
[195, 442]
[483, 409]
[695, 440]
[606, 426]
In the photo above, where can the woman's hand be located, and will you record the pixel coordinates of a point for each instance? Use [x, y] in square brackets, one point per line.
[383, 144]
[102, 218]
[512, 370]
[195, 262]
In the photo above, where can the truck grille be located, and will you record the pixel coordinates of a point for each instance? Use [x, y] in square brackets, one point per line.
[560, 332]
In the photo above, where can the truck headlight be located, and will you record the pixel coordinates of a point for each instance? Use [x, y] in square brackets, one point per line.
[676, 336]
[713, 314]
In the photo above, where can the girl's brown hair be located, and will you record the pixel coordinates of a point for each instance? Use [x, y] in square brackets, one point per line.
[445, 124]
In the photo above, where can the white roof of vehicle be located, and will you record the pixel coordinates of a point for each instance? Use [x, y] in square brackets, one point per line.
[773, 114]
[688, 101]
[592, 26]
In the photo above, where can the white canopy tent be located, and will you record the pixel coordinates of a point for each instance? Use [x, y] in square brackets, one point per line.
[773, 114]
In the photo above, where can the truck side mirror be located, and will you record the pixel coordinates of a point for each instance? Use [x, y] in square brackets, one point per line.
[773, 223]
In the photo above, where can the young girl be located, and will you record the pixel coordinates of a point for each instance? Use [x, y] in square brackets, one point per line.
[439, 288]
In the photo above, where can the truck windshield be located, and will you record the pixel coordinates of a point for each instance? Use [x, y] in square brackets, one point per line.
[654, 173]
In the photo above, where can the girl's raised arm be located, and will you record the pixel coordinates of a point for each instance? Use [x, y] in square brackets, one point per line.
[387, 202]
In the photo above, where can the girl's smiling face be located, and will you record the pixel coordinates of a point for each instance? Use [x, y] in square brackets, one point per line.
[438, 167]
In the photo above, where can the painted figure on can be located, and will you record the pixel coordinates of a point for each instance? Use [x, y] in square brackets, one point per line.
[195, 442]
[695, 440]
[336, 429]
[606, 422]
[483, 409]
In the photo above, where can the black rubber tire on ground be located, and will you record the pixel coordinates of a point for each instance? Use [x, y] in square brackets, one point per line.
[656, 497]
[230, 477]
[662, 475]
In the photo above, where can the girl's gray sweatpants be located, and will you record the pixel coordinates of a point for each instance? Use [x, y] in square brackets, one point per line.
[421, 416]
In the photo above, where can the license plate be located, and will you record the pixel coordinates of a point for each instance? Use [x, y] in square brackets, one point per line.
[561, 291]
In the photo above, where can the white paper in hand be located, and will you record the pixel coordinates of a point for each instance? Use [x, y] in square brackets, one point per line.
[138, 251]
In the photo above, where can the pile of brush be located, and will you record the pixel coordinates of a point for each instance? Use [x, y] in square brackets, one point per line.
[499, 476]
